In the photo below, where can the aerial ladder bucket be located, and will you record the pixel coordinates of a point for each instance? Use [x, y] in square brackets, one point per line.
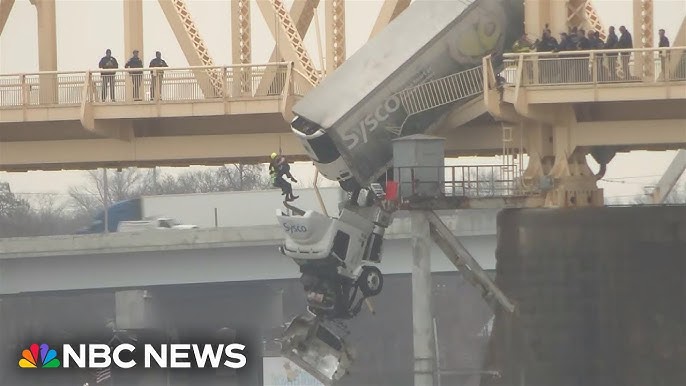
[316, 349]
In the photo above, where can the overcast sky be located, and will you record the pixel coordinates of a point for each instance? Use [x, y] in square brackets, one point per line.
[87, 28]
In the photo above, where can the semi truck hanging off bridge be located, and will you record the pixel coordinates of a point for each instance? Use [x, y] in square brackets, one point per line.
[404, 81]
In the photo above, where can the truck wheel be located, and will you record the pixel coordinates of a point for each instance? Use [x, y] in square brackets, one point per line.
[371, 281]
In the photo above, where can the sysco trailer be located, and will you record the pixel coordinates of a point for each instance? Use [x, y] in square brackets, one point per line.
[347, 122]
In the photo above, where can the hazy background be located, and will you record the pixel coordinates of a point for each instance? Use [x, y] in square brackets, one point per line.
[87, 28]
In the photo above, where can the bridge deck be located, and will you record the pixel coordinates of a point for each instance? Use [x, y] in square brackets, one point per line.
[123, 260]
[632, 98]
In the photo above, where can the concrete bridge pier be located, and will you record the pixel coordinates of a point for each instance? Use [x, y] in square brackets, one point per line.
[600, 294]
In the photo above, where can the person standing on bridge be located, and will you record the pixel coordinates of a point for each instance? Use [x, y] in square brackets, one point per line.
[136, 76]
[156, 82]
[625, 42]
[108, 62]
[611, 44]
[664, 43]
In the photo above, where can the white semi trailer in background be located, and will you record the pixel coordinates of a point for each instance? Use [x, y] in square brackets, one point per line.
[210, 210]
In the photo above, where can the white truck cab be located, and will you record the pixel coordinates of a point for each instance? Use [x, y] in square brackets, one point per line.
[161, 223]
[336, 256]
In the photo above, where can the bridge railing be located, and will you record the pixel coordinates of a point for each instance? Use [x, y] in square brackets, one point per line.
[643, 65]
[146, 85]
[301, 83]
[473, 181]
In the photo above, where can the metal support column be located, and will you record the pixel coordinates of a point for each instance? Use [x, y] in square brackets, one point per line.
[133, 40]
[105, 201]
[47, 49]
[422, 320]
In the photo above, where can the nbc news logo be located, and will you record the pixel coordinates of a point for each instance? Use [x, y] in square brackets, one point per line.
[31, 360]
[100, 356]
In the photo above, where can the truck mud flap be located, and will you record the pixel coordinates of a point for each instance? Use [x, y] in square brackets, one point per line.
[316, 349]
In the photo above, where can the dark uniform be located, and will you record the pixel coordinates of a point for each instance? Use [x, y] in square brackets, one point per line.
[284, 169]
[611, 44]
[548, 67]
[156, 82]
[108, 62]
[136, 76]
[625, 41]
[664, 43]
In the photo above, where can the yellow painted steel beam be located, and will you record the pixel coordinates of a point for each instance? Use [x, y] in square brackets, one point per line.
[676, 57]
[5, 9]
[193, 46]
[389, 11]
[643, 37]
[240, 32]
[47, 49]
[157, 151]
[241, 47]
[302, 13]
[133, 40]
[286, 34]
[636, 134]
[670, 177]
[335, 34]
[197, 149]
[581, 13]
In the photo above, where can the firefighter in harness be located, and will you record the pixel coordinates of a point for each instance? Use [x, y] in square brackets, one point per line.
[278, 169]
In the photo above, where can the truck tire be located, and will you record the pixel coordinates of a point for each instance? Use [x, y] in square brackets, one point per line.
[370, 281]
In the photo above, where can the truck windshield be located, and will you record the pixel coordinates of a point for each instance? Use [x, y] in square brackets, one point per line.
[324, 148]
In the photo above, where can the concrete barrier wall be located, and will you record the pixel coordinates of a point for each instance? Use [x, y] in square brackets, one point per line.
[462, 222]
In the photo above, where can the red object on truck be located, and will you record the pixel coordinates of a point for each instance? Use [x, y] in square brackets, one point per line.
[392, 190]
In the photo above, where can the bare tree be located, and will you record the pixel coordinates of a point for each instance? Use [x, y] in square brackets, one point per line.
[45, 215]
[131, 183]
[121, 185]
[10, 204]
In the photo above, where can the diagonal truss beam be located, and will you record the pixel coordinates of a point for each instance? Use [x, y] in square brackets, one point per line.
[594, 20]
[389, 11]
[192, 45]
[581, 13]
[335, 34]
[290, 43]
[302, 13]
[670, 178]
[5, 8]
[677, 57]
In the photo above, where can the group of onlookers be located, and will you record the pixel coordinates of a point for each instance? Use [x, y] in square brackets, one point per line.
[578, 69]
[109, 62]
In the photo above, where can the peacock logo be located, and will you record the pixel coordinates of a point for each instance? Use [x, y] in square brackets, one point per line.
[31, 360]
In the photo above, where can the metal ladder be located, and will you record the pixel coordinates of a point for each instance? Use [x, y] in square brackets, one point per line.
[511, 168]
[442, 91]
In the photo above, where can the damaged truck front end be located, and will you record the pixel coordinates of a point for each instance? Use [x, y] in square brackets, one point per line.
[316, 349]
